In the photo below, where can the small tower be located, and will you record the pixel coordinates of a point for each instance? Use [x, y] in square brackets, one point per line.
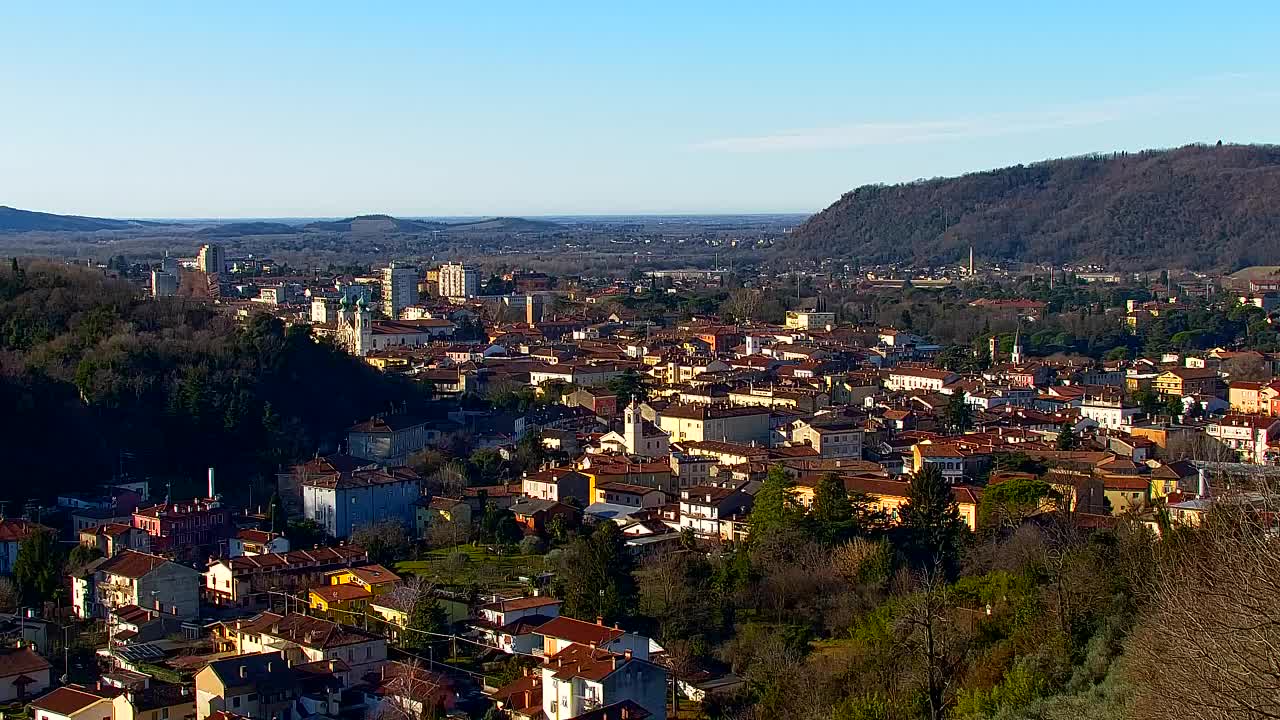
[1016, 357]
[993, 348]
[633, 428]
[970, 261]
[362, 329]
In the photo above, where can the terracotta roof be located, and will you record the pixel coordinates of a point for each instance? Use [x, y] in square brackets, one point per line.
[583, 661]
[257, 536]
[67, 700]
[341, 593]
[18, 661]
[132, 564]
[577, 631]
[305, 631]
[297, 559]
[374, 575]
[18, 530]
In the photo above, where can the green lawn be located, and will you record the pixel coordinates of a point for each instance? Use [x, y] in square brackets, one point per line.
[483, 568]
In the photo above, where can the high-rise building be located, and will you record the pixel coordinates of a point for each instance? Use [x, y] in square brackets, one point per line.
[163, 284]
[212, 259]
[399, 288]
[459, 281]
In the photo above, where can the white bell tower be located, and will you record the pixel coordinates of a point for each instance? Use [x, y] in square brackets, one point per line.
[633, 428]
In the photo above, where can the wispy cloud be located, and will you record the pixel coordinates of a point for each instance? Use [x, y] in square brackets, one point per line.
[914, 132]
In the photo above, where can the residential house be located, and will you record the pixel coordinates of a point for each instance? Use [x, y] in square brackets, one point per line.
[1248, 435]
[344, 502]
[259, 686]
[585, 681]
[702, 508]
[1181, 382]
[186, 529]
[388, 439]
[12, 532]
[927, 379]
[155, 700]
[947, 458]
[690, 470]
[305, 639]
[74, 702]
[257, 542]
[562, 632]
[246, 581]
[137, 579]
[114, 538]
[512, 625]
[619, 493]
[535, 515]
[725, 423]
[831, 437]
[889, 495]
[1245, 397]
[440, 510]
[1110, 411]
[347, 592]
[23, 673]
[557, 484]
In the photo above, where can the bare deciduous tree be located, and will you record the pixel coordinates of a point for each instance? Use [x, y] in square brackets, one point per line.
[1210, 648]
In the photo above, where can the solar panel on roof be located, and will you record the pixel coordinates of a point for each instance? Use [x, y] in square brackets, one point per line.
[144, 652]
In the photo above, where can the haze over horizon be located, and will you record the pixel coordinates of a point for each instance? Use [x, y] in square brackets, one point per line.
[295, 111]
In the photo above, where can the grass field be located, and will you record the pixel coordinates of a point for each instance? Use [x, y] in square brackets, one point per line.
[486, 569]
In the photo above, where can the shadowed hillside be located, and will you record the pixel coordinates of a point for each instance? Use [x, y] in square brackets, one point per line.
[1195, 207]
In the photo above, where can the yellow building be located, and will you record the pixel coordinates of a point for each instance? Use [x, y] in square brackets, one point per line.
[351, 589]
[1180, 382]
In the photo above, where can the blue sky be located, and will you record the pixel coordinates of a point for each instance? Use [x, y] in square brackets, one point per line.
[280, 109]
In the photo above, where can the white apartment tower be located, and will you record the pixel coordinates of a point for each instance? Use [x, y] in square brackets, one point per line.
[399, 289]
[212, 259]
[459, 281]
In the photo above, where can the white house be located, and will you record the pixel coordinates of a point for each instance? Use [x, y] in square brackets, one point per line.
[702, 508]
[1248, 435]
[1108, 412]
[927, 379]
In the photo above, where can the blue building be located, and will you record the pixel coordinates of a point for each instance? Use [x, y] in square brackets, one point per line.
[342, 502]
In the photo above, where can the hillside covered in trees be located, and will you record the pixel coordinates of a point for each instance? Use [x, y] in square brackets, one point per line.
[91, 375]
[1195, 207]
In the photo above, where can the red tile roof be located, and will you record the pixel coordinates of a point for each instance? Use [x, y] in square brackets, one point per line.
[577, 631]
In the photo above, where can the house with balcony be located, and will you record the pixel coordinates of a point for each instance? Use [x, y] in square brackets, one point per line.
[135, 579]
[702, 508]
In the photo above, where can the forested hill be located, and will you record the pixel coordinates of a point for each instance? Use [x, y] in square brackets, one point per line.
[1196, 207]
[90, 374]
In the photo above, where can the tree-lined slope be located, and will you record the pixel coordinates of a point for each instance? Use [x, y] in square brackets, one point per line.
[1196, 207]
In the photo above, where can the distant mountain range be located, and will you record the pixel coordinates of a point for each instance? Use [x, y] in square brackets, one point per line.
[15, 220]
[1198, 207]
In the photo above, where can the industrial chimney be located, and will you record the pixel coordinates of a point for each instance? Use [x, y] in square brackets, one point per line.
[212, 494]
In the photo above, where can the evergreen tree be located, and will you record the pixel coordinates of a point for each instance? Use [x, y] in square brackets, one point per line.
[930, 526]
[595, 576]
[775, 507]
[279, 519]
[38, 569]
[1067, 438]
[425, 616]
[832, 513]
[959, 413]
